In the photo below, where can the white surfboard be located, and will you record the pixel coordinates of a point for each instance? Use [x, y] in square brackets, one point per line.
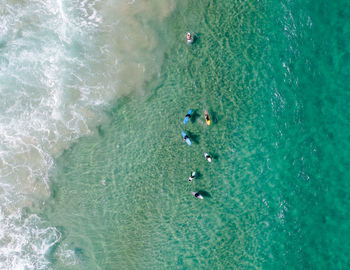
[189, 40]
[207, 155]
[199, 196]
[192, 176]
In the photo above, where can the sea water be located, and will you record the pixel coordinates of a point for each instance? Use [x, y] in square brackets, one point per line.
[57, 75]
[94, 172]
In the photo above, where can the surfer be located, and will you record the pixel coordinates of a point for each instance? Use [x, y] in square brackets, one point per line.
[197, 195]
[186, 138]
[191, 176]
[189, 38]
[207, 119]
[187, 117]
[207, 157]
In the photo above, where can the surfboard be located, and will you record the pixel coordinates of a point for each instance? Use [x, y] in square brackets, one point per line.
[192, 176]
[199, 196]
[189, 40]
[207, 119]
[209, 159]
[187, 118]
[187, 139]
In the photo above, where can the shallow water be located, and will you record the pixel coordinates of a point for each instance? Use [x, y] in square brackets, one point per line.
[272, 76]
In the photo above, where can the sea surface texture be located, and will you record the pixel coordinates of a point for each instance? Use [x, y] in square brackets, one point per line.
[93, 168]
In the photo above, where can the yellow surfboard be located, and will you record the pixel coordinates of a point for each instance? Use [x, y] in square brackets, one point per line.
[207, 119]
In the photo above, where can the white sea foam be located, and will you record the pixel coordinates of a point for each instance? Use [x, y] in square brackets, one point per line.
[42, 110]
[59, 65]
[67, 256]
[25, 241]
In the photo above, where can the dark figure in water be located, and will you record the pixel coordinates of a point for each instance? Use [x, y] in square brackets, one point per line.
[191, 176]
[207, 157]
[189, 38]
[197, 195]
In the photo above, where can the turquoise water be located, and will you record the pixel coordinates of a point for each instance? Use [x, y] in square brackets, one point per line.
[109, 188]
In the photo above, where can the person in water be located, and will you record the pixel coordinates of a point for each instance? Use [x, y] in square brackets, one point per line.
[208, 157]
[197, 195]
[206, 116]
[191, 176]
[189, 37]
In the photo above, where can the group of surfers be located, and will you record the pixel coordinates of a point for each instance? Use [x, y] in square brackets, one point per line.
[190, 39]
[206, 155]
